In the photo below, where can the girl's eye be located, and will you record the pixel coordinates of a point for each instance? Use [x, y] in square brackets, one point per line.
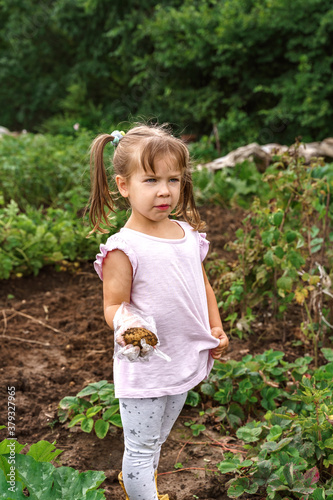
[174, 180]
[150, 181]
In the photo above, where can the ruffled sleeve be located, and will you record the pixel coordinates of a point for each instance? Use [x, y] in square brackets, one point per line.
[204, 246]
[114, 243]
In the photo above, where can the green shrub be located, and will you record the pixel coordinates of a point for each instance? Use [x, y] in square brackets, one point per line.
[44, 190]
[36, 238]
[290, 453]
[283, 413]
[256, 71]
[45, 170]
[229, 187]
[283, 249]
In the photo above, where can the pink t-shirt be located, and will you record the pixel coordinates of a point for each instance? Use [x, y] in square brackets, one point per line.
[168, 284]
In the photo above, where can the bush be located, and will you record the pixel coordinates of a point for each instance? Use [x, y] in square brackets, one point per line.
[236, 186]
[45, 170]
[255, 70]
[283, 249]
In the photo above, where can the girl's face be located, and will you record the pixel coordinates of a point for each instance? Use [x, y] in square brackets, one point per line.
[152, 196]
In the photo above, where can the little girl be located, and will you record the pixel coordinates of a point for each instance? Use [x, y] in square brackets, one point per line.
[155, 264]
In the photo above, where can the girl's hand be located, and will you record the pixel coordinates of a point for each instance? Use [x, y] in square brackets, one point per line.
[219, 333]
[120, 340]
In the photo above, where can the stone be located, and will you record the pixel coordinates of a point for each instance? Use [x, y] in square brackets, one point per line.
[262, 155]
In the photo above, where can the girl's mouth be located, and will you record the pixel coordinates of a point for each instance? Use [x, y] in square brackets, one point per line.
[162, 207]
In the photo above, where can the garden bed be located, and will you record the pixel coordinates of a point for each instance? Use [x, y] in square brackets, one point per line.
[55, 342]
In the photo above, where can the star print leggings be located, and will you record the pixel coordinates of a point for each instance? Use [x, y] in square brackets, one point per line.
[147, 423]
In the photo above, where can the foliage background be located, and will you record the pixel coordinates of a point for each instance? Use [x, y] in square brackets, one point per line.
[259, 70]
[229, 72]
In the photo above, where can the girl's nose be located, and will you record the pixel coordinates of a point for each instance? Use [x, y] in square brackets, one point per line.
[163, 189]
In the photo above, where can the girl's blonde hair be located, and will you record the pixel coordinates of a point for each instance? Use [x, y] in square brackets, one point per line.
[140, 147]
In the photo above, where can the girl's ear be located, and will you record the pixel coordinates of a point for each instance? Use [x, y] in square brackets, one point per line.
[122, 184]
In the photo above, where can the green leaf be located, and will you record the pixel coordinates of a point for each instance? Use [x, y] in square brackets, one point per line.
[43, 451]
[291, 236]
[265, 469]
[93, 411]
[252, 489]
[316, 243]
[68, 401]
[300, 242]
[92, 388]
[235, 415]
[223, 395]
[116, 420]
[110, 411]
[87, 424]
[14, 493]
[46, 482]
[245, 463]
[277, 218]
[319, 494]
[272, 446]
[274, 433]
[279, 252]
[249, 435]
[295, 259]
[300, 488]
[75, 420]
[328, 443]
[62, 415]
[227, 466]
[208, 389]
[327, 353]
[192, 399]
[267, 238]
[106, 392]
[268, 395]
[197, 428]
[275, 485]
[285, 283]
[5, 449]
[178, 465]
[288, 472]
[238, 487]
[306, 382]
[269, 258]
[101, 428]
[34, 474]
[235, 490]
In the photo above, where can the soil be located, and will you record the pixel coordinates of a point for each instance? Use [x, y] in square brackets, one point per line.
[55, 342]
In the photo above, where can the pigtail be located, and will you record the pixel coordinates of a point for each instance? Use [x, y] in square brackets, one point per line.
[101, 202]
[187, 207]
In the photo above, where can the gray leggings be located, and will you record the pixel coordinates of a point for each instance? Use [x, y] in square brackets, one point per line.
[147, 423]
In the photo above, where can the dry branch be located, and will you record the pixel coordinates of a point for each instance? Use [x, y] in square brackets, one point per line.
[45, 344]
[32, 319]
